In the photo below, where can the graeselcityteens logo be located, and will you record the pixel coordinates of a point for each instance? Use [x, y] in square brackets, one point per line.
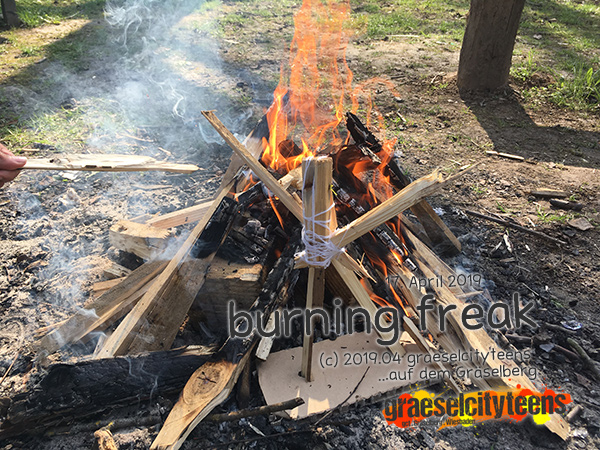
[474, 407]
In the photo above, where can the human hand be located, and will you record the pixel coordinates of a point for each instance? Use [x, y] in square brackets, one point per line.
[8, 165]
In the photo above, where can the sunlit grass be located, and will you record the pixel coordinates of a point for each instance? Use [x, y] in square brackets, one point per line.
[34, 13]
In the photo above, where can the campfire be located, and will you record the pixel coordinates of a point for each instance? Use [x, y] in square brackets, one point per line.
[314, 207]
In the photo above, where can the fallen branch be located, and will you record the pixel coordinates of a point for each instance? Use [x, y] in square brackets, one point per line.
[260, 411]
[515, 226]
[509, 156]
[586, 358]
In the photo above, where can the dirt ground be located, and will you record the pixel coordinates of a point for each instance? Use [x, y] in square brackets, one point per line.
[54, 234]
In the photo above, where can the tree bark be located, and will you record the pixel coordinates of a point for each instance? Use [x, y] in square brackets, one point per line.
[9, 12]
[486, 53]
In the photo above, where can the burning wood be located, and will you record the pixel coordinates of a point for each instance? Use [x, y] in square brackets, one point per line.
[300, 169]
[161, 294]
[73, 391]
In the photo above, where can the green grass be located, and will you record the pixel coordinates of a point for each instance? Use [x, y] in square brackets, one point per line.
[479, 191]
[551, 216]
[34, 13]
[525, 71]
[30, 50]
[582, 91]
[419, 17]
[566, 56]
[501, 208]
[63, 129]
[566, 47]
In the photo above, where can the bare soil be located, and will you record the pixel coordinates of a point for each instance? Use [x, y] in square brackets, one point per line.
[54, 239]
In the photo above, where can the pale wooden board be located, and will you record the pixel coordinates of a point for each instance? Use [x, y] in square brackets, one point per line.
[106, 163]
[279, 380]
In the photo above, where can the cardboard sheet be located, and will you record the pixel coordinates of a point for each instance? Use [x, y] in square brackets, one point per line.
[338, 367]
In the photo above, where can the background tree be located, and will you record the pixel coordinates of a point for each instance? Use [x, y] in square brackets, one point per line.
[486, 52]
[9, 13]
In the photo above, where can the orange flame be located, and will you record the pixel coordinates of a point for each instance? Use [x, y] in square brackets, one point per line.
[314, 91]
[306, 94]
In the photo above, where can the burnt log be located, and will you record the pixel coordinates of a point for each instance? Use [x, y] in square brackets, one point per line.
[68, 392]
[437, 231]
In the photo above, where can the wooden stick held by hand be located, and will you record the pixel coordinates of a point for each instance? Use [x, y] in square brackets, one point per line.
[107, 163]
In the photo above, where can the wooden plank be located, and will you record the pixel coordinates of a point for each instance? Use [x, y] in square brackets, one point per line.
[142, 240]
[436, 229]
[115, 270]
[425, 347]
[263, 174]
[457, 337]
[106, 163]
[319, 223]
[294, 205]
[180, 217]
[363, 298]
[266, 343]
[406, 198]
[102, 311]
[207, 388]
[314, 299]
[227, 280]
[137, 332]
[106, 284]
[120, 339]
[212, 383]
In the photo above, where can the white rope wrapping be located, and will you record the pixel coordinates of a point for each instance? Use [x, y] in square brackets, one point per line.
[319, 251]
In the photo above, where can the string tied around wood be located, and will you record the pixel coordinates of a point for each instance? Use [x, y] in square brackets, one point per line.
[319, 251]
[319, 214]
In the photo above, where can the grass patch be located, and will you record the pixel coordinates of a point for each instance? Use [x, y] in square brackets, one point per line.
[34, 13]
[479, 191]
[424, 18]
[551, 216]
[582, 91]
[63, 129]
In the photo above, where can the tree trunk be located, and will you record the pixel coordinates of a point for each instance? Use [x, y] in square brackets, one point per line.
[486, 53]
[9, 12]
